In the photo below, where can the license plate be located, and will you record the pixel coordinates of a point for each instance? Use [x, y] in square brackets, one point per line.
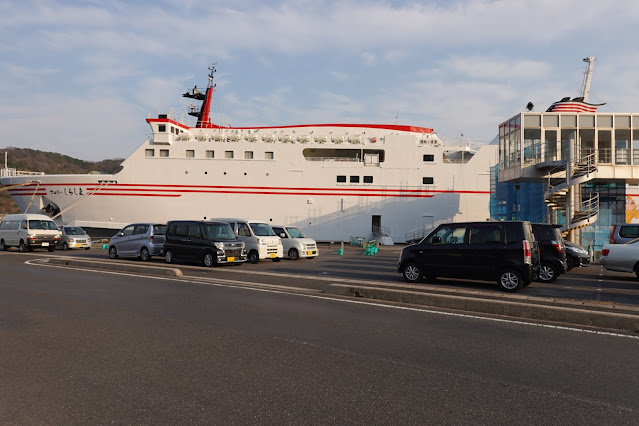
[272, 255]
[230, 259]
[310, 253]
[45, 244]
[78, 245]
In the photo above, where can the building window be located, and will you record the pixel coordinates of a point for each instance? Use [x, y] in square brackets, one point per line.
[429, 157]
[164, 153]
[162, 128]
[427, 181]
[228, 154]
[268, 155]
[209, 154]
[149, 152]
[368, 179]
[190, 153]
[354, 179]
[248, 155]
[341, 179]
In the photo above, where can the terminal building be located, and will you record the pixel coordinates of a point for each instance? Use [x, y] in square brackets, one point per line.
[571, 166]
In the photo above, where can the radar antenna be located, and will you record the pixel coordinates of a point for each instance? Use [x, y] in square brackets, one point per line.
[585, 88]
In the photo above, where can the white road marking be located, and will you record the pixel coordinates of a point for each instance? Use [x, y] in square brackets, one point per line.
[256, 287]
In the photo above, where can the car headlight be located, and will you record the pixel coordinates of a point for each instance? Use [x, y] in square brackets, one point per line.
[219, 245]
[303, 247]
[261, 241]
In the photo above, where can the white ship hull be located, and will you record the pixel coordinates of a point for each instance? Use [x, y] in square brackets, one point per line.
[333, 181]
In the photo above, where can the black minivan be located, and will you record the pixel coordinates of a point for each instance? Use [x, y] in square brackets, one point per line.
[209, 243]
[505, 251]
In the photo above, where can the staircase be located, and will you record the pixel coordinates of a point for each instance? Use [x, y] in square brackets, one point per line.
[382, 234]
[563, 192]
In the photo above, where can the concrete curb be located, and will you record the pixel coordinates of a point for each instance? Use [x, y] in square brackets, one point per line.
[142, 269]
[584, 317]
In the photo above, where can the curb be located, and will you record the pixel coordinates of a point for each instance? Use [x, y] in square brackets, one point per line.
[583, 317]
[152, 270]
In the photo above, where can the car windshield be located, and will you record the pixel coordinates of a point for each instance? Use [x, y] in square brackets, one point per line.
[73, 230]
[262, 230]
[295, 233]
[42, 224]
[219, 231]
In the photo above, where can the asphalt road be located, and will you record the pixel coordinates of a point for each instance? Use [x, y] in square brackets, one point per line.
[94, 347]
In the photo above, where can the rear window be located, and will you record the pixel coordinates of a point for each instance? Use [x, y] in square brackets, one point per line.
[159, 229]
[626, 231]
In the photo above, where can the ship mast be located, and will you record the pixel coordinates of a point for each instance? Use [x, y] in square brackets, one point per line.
[203, 113]
[585, 89]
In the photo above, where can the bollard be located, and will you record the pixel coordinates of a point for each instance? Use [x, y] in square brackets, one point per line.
[340, 251]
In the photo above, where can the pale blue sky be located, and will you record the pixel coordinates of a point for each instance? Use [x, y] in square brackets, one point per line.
[81, 77]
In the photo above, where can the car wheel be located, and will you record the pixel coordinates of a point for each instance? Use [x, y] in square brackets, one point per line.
[510, 280]
[144, 254]
[208, 260]
[413, 273]
[547, 273]
[293, 254]
[3, 246]
[22, 247]
[113, 252]
[168, 256]
[65, 247]
[253, 256]
[570, 263]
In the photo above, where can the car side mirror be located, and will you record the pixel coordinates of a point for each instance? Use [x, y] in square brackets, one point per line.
[436, 240]
[121, 234]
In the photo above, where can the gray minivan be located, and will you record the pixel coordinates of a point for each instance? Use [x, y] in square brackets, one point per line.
[138, 239]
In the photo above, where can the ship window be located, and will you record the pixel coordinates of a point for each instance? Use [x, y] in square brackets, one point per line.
[354, 179]
[429, 157]
[164, 153]
[368, 179]
[427, 180]
[248, 155]
[162, 128]
[228, 154]
[190, 153]
[341, 178]
[149, 152]
[268, 155]
[209, 154]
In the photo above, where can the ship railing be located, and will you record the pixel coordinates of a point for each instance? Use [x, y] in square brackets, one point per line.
[332, 159]
[8, 172]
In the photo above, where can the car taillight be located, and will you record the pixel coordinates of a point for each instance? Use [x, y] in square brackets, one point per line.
[557, 245]
[612, 235]
[605, 252]
[527, 256]
[152, 237]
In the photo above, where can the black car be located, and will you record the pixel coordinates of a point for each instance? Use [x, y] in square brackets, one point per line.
[501, 251]
[209, 243]
[551, 250]
[576, 255]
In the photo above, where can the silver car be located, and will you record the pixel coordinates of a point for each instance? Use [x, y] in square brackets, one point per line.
[295, 243]
[621, 257]
[142, 240]
[74, 237]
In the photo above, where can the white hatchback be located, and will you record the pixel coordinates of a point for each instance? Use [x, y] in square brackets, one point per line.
[295, 243]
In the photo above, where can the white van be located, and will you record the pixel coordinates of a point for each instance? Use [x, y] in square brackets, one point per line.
[259, 239]
[28, 231]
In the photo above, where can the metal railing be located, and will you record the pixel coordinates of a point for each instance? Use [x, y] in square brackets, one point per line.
[7, 172]
[381, 231]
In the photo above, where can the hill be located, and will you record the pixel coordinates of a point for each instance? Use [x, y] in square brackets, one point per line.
[51, 163]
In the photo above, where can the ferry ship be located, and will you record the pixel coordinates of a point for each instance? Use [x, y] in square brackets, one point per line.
[334, 181]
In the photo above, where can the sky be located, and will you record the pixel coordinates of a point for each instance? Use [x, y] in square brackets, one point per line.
[81, 77]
